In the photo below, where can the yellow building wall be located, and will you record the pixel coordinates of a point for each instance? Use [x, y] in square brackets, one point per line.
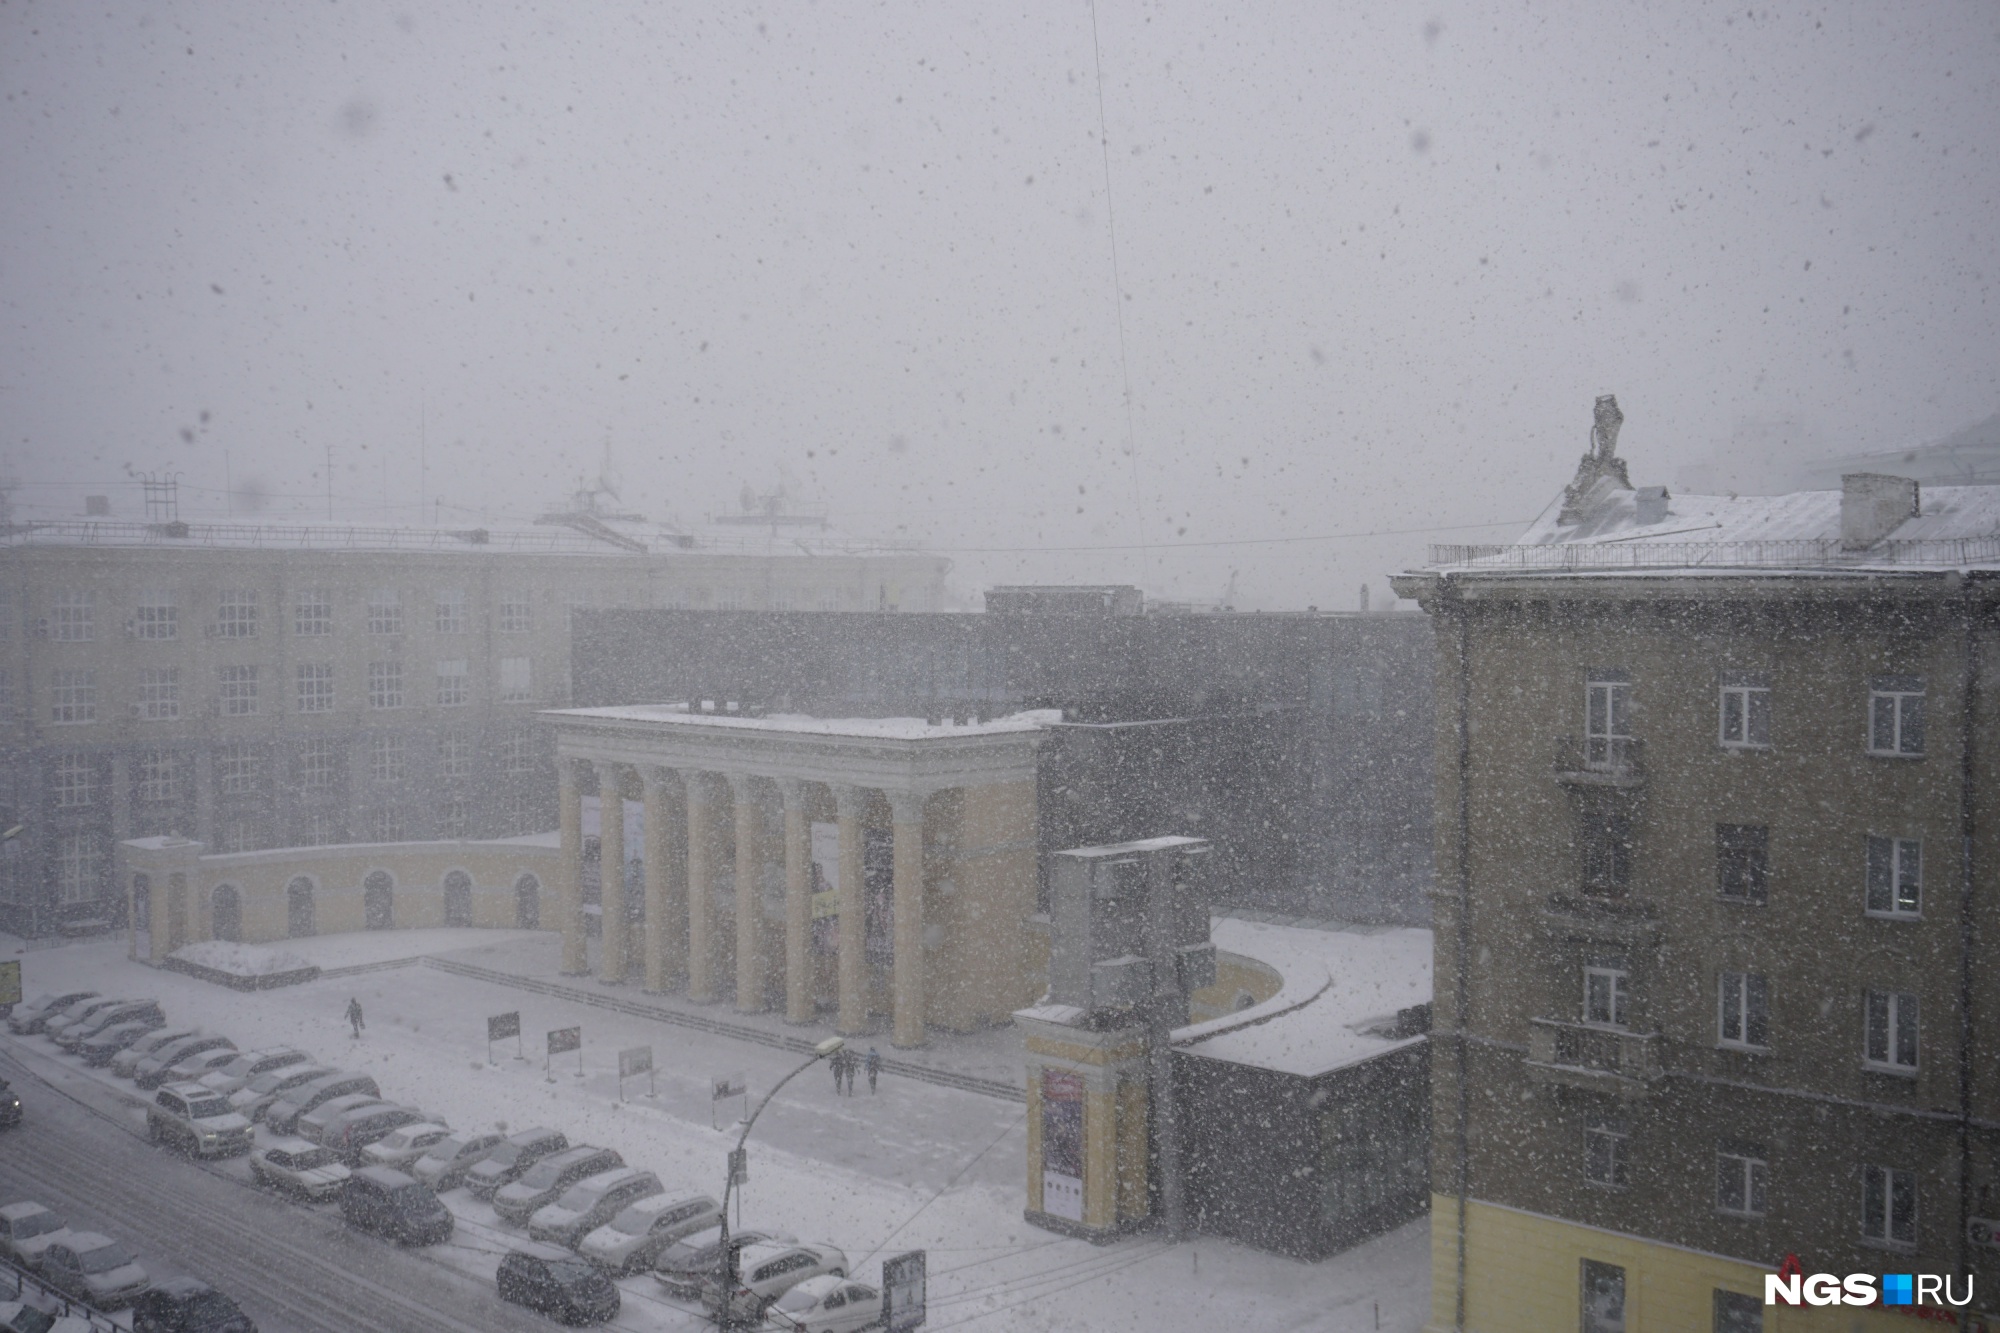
[983, 968]
[1235, 976]
[1524, 1275]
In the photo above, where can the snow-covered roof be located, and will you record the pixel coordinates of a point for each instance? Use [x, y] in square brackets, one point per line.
[1948, 513]
[1338, 985]
[867, 728]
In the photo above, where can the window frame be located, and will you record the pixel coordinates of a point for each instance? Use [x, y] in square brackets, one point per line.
[237, 689]
[73, 780]
[319, 762]
[1747, 694]
[159, 694]
[385, 611]
[312, 613]
[1901, 1017]
[514, 612]
[156, 617]
[454, 686]
[388, 758]
[385, 685]
[519, 691]
[448, 611]
[1895, 852]
[73, 616]
[72, 696]
[1733, 840]
[319, 698]
[1745, 998]
[1608, 747]
[1905, 697]
[236, 613]
[236, 769]
[1751, 1174]
[1878, 1193]
[1608, 1141]
[1617, 981]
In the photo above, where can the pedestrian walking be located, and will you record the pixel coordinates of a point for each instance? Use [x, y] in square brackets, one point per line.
[874, 1068]
[836, 1066]
[354, 1016]
[848, 1061]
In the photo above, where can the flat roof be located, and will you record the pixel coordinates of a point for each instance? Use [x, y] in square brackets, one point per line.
[678, 715]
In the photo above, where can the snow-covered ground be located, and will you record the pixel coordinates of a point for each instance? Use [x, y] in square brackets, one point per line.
[915, 1166]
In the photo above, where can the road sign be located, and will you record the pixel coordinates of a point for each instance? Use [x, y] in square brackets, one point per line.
[904, 1280]
[739, 1166]
[636, 1060]
[10, 981]
[503, 1025]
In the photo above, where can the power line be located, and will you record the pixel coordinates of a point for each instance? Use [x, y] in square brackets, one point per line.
[1237, 541]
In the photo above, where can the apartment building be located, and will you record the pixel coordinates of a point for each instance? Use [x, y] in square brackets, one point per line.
[262, 686]
[1715, 917]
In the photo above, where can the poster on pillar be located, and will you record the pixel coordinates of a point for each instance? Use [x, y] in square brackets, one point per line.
[1062, 1144]
[825, 850]
[878, 892]
[635, 843]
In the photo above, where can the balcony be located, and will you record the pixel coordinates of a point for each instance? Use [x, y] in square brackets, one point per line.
[1596, 1059]
[1600, 761]
[1586, 918]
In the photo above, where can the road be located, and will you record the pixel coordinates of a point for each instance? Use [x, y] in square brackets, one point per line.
[81, 1150]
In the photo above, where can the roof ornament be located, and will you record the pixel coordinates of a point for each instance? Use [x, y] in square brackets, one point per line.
[1600, 465]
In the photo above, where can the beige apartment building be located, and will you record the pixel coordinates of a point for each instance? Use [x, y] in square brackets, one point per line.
[266, 686]
[1716, 906]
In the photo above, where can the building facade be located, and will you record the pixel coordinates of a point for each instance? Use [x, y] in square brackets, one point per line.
[254, 687]
[1715, 915]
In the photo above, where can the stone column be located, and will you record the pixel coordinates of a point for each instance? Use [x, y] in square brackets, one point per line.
[569, 869]
[666, 878]
[204, 798]
[850, 801]
[611, 871]
[700, 883]
[798, 903]
[749, 897]
[906, 811]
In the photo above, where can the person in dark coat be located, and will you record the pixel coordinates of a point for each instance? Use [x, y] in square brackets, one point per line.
[354, 1016]
[834, 1063]
[874, 1068]
[848, 1061]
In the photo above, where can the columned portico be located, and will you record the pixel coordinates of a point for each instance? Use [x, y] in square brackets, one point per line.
[611, 871]
[907, 985]
[703, 862]
[569, 879]
[666, 850]
[749, 895]
[798, 903]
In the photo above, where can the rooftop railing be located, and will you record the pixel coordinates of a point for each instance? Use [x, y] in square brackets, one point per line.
[1795, 553]
[351, 537]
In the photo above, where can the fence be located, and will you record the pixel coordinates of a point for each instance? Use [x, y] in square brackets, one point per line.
[1797, 553]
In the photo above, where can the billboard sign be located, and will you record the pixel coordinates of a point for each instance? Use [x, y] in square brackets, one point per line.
[635, 1060]
[903, 1292]
[503, 1025]
[10, 981]
[565, 1039]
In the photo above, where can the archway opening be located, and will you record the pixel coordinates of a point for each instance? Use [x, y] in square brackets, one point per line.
[226, 914]
[299, 908]
[458, 899]
[378, 900]
[528, 903]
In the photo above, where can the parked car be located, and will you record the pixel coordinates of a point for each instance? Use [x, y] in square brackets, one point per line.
[30, 1017]
[298, 1167]
[827, 1305]
[389, 1203]
[633, 1239]
[27, 1229]
[445, 1162]
[549, 1177]
[510, 1159]
[126, 1062]
[188, 1305]
[94, 1269]
[98, 1049]
[80, 1012]
[556, 1283]
[283, 1117]
[354, 1133]
[690, 1261]
[10, 1106]
[227, 1078]
[196, 1067]
[24, 1317]
[75, 1034]
[766, 1272]
[312, 1125]
[258, 1095]
[157, 1068]
[198, 1120]
[589, 1204]
[406, 1144]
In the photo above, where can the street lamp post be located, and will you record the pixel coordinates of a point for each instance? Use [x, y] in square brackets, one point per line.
[726, 1315]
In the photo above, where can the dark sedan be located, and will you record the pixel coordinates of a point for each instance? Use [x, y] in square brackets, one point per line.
[556, 1283]
[188, 1305]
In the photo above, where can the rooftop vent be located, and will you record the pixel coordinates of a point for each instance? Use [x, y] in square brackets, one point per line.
[1650, 504]
[1872, 506]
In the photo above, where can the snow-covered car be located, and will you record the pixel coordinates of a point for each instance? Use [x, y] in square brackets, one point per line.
[72, 1037]
[198, 1120]
[298, 1167]
[383, 1200]
[283, 1117]
[354, 1133]
[237, 1072]
[10, 1106]
[827, 1305]
[126, 1062]
[543, 1182]
[690, 1261]
[313, 1124]
[632, 1240]
[260, 1093]
[30, 1017]
[94, 1269]
[100, 1048]
[510, 1159]
[188, 1305]
[406, 1144]
[28, 1318]
[589, 1204]
[556, 1283]
[194, 1068]
[27, 1229]
[81, 1012]
[444, 1164]
[162, 1065]
[766, 1272]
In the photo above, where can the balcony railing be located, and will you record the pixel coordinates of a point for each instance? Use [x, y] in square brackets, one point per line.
[1582, 1055]
[1799, 553]
[1600, 761]
[1595, 917]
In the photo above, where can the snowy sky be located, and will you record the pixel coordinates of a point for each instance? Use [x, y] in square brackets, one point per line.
[1376, 261]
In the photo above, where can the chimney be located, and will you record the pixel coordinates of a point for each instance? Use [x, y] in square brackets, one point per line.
[1872, 506]
[1649, 504]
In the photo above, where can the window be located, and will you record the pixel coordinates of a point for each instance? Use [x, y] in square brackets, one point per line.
[524, 812]
[72, 695]
[1740, 1170]
[517, 613]
[1607, 720]
[1896, 715]
[72, 617]
[1603, 1300]
[160, 693]
[454, 755]
[1607, 845]
[1604, 1153]
[77, 859]
[236, 836]
[236, 614]
[319, 765]
[450, 611]
[318, 830]
[236, 769]
[158, 774]
[156, 617]
[519, 749]
[516, 680]
[385, 611]
[385, 684]
[1745, 1010]
[452, 683]
[1604, 995]
[1888, 1206]
[1891, 1031]
[315, 687]
[1742, 864]
[1737, 1313]
[385, 758]
[239, 690]
[1895, 876]
[385, 824]
[6, 693]
[1746, 715]
[452, 818]
[74, 780]
[312, 614]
